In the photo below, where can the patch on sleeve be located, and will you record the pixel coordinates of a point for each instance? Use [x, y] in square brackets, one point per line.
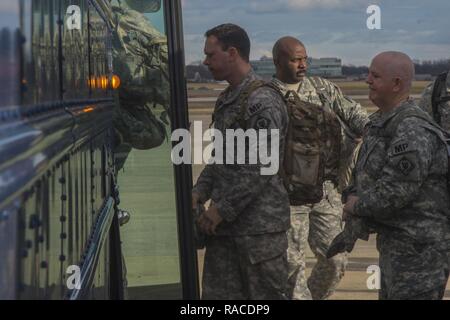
[405, 166]
[262, 123]
[400, 147]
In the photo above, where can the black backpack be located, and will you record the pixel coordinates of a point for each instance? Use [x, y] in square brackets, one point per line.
[438, 98]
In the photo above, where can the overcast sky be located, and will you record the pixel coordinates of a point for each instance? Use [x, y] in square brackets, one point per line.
[328, 28]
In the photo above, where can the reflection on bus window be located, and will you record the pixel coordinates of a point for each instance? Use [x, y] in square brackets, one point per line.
[140, 61]
[142, 153]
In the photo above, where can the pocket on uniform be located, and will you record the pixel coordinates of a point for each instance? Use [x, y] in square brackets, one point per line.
[265, 246]
[416, 269]
[305, 165]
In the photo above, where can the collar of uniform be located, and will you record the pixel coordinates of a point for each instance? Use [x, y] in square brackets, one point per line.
[280, 85]
[306, 86]
[230, 95]
[379, 119]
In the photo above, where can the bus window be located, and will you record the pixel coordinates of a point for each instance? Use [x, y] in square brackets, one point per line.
[9, 57]
[145, 170]
[75, 52]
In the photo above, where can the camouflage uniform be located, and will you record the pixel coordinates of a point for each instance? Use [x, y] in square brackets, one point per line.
[444, 111]
[400, 180]
[319, 223]
[246, 259]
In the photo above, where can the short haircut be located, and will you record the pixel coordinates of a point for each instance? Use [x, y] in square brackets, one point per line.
[279, 46]
[231, 35]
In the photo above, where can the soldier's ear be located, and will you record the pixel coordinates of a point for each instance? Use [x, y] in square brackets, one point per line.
[233, 52]
[398, 83]
[275, 62]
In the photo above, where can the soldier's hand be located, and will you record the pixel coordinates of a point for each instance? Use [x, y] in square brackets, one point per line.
[195, 199]
[209, 220]
[349, 206]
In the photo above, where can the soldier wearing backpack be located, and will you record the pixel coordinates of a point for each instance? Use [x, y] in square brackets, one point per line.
[248, 216]
[400, 185]
[436, 101]
[324, 129]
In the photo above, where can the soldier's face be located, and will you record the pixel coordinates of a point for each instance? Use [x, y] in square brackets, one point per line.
[381, 83]
[292, 64]
[217, 60]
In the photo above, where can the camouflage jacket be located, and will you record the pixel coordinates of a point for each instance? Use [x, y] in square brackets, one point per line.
[401, 178]
[443, 109]
[351, 114]
[250, 203]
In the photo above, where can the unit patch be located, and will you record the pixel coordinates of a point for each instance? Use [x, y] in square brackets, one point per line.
[262, 123]
[405, 166]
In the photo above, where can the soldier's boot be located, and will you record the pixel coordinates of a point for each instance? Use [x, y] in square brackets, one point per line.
[298, 287]
[123, 216]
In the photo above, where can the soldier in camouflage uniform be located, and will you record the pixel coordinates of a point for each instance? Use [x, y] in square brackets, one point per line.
[318, 223]
[248, 217]
[443, 115]
[140, 59]
[400, 185]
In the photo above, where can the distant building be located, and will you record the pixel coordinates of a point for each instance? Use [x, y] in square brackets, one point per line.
[423, 77]
[323, 67]
[264, 67]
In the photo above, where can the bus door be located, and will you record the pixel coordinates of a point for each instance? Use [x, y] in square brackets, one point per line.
[156, 232]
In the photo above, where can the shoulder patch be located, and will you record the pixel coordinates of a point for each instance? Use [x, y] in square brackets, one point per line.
[405, 166]
[262, 123]
[400, 147]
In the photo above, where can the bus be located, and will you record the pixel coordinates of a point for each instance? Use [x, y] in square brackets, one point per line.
[90, 92]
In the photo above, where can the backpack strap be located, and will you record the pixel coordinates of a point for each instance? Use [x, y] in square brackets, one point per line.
[326, 102]
[246, 93]
[392, 125]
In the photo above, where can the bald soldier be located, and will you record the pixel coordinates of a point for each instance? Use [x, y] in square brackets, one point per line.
[400, 185]
[318, 223]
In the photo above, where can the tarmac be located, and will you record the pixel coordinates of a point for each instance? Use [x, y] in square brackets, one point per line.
[359, 281]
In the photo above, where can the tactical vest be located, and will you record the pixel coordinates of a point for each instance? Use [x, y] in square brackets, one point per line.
[306, 152]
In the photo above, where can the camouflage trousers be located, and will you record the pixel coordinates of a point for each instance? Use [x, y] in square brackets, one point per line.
[411, 270]
[316, 225]
[245, 267]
